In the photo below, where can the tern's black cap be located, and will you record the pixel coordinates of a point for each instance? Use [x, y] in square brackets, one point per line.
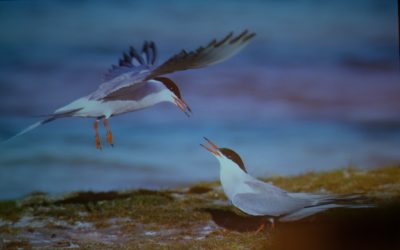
[232, 155]
[169, 84]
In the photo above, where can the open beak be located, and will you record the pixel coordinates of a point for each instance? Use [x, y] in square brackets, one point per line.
[213, 148]
[183, 106]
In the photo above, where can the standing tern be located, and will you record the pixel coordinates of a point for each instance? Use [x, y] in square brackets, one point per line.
[258, 198]
[137, 83]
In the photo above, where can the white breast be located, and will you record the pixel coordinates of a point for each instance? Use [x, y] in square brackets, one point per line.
[233, 179]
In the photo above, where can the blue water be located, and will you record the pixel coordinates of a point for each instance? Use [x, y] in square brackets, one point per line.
[312, 92]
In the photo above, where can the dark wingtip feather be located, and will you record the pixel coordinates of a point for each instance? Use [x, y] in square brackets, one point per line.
[211, 54]
[145, 51]
[133, 53]
[127, 58]
[212, 43]
[153, 49]
[226, 38]
[150, 53]
[249, 37]
[234, 40]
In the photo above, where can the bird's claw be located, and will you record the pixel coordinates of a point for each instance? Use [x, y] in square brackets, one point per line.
[98, 144]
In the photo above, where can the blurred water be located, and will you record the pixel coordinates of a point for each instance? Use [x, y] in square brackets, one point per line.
[317, 89]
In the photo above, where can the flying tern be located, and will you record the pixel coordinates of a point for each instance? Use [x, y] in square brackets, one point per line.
[137, 83]
[258, 198]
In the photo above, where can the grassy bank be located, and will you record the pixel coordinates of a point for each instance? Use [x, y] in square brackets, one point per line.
[199, 217]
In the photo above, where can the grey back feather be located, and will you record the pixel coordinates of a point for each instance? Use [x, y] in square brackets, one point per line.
[134, 92]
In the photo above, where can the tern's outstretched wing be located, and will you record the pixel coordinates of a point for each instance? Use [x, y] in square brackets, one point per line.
[133, 67]
[214, 52]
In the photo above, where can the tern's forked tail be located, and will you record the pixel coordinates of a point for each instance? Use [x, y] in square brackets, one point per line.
[47, 120]
[308, 211]
[322, 202]
[31, 127]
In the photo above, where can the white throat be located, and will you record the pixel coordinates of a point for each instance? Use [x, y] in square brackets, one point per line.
[232, 176]
[161, 93]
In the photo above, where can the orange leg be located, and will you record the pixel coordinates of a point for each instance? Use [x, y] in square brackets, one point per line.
[109, 134]
[260, 228]
[271, 226]
[96, 129]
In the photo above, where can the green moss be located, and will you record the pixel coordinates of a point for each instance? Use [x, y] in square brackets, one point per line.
[149, 207]
[342, 181]
[9, 210]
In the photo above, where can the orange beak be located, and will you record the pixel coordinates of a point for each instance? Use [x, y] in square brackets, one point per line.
[183, 106]
[213, 148]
